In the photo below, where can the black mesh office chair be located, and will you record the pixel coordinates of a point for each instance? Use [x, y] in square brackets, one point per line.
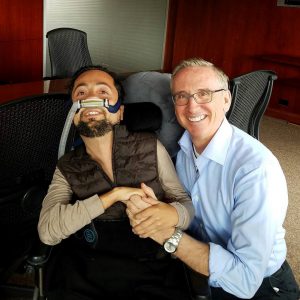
[251, 93]
[68, 51]
[30, 131]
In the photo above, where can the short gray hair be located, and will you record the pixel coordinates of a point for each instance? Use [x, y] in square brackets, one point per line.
[199, 62]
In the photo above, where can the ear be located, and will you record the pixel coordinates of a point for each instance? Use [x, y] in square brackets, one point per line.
[121, 112]
[227, 101]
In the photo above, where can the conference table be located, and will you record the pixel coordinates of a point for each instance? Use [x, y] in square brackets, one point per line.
[9, 92]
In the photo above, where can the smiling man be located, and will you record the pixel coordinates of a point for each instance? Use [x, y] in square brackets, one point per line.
[98, 256]
[238, 190]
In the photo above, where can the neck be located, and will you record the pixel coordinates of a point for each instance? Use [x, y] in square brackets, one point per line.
[200, 144]
[99, 148]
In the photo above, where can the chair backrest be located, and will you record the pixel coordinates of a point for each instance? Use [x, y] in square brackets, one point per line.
[68, 51]
[251, 93]
[30, 130]
[155, 87]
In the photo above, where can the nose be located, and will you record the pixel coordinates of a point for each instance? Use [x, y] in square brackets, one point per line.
[192, 104]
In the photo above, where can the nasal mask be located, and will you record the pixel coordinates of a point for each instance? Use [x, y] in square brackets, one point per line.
[87, 103]
[96, 102]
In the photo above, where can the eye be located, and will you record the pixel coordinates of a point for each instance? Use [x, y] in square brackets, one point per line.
[80, 93]
[180, 96]
[202, 93]
[103, 92]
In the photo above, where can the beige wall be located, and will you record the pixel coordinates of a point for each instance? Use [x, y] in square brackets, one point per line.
[126, 35]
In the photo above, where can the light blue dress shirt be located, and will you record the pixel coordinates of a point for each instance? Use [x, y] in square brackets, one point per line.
[240, 197]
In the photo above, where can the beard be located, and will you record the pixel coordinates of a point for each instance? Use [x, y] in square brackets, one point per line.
[94, 128]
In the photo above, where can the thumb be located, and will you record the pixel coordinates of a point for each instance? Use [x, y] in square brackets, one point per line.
[148, 191]
[150, 200]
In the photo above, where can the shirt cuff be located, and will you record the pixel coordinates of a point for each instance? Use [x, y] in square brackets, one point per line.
[219, 258]
[182, 213]
[94, 206]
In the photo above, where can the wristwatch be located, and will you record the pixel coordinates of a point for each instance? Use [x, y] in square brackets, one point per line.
[171, 244]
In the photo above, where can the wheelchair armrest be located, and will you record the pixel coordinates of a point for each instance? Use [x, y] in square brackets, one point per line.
[39, 255]
[198, 284]
[32, 199]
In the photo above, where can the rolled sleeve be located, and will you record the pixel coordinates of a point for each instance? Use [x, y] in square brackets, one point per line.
[183, 215]
[230, 273]
[174, 191]
[256, 220]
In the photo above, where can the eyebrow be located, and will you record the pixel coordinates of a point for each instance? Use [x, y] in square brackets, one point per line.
[206, 89]
[84, 84]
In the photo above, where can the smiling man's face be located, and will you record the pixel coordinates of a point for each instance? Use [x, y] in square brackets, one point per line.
[201, 120]
[93, 85]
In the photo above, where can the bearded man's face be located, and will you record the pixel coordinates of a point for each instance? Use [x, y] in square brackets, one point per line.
[94, 128]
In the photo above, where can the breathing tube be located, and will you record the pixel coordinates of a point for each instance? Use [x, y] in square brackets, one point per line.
[88, 103]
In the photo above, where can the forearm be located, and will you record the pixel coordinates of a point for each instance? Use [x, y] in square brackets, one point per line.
[58, 218]
[193, 253]
[109, 198]
[174, 191]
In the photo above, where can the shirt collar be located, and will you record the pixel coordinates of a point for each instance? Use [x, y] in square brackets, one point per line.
[186, 145]
[217, 148]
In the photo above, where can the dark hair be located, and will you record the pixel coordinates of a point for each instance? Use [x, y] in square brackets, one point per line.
[117, 81]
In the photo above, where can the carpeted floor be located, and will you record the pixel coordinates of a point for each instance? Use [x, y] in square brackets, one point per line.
[283, 139]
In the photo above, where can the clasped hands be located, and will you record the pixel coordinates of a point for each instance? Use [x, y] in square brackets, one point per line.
[150, 217]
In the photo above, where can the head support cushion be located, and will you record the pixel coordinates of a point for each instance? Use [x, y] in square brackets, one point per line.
[155, 87]
[142, 116]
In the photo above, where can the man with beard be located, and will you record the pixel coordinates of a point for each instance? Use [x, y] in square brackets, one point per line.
[98, 256]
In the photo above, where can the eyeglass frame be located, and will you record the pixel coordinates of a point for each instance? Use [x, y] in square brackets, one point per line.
[188, 96]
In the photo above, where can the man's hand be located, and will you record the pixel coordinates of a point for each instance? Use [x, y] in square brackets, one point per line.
[148, 215]
[161, 236]
[124, 193]
[119, 194]
[135, 205]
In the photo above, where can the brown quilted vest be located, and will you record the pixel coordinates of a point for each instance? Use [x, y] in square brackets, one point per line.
[134, 161]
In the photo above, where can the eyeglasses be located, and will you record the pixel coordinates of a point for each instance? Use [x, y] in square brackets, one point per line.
[200, 97]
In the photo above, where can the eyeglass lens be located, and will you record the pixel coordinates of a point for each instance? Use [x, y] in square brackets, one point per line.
[200, 97]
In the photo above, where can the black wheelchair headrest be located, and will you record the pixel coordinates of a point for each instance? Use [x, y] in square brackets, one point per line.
[142, 116]
[154, 87]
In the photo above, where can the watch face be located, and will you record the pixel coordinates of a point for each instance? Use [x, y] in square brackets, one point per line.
[169, 247]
